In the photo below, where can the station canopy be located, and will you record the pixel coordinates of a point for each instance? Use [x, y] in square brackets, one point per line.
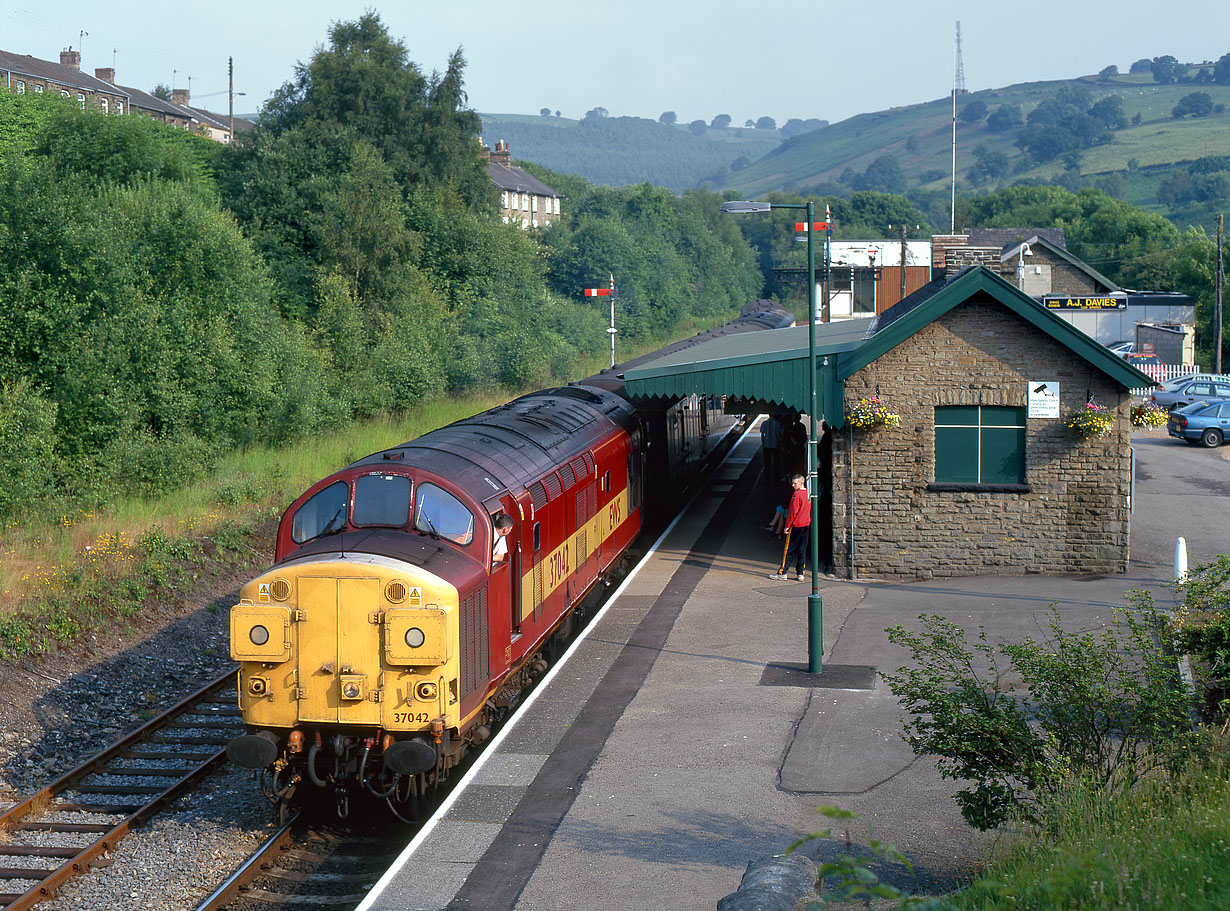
[762, 372]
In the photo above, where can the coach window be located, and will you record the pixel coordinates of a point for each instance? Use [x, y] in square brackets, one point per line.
[381, 499]
[323, 514]
[437, 512]
[979, 445]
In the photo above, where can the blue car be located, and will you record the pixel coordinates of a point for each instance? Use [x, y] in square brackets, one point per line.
[1204, 423]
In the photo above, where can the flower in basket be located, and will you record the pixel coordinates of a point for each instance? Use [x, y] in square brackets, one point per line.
[1148, 414]
[1092, 421]
[871, 412]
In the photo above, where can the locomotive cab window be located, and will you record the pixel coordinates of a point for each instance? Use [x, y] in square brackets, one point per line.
[381, 499]
[323, 514]
[537, 536]
[437, 512]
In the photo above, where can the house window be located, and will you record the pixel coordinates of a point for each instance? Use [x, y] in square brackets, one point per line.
[557, 205]
[119, 107]
[21, 88]
[64, 92]
[38, 90]
[525, 202]
[81, 100]
[102, 103]
[504, 200]
[533, 203]
[979, 445]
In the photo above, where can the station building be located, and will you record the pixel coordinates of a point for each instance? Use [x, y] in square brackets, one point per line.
[981, 475]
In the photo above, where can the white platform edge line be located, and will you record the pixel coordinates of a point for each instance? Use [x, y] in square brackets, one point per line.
[465, 781]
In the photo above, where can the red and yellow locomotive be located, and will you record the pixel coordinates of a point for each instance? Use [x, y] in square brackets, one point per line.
[394, 631]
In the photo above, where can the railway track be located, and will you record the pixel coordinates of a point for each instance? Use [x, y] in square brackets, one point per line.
[75, 822]
[316, 866]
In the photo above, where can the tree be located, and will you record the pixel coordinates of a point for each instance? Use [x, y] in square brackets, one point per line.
[1198, 104]
[544, 112]
[1006, 117]
[1143, 65]
[668, 118]
[162, 91]
[1109, 111]
[1111, 70]
[884, 175]
[596, 113]
[749, 123]
[990, 163]
[973, 112]
[1165, 69]
[766, 123]
[697, 127]
[1221, 70]
[720, 122]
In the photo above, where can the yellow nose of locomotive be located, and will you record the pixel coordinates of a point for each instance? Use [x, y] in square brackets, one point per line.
[347, 642]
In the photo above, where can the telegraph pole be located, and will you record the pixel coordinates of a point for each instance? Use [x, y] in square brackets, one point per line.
[1221, 280]
[902, 297]
[230, 93]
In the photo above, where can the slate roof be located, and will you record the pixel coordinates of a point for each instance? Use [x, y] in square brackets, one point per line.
[154, 103]
[66, 76]
[1038, 242]
[517, 180]
[1011, 237]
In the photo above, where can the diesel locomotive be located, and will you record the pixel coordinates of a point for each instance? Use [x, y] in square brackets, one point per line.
[396, 629]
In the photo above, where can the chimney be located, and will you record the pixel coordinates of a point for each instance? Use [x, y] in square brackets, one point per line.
[501, 155]
[69, 57]
[941, 244]
[180, 96]
[105, 73]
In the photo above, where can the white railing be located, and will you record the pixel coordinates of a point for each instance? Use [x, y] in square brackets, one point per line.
[1163, 373]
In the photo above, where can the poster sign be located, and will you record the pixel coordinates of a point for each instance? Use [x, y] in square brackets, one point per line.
[1043, 399]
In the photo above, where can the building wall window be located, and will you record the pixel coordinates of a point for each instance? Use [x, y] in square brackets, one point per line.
[119, 107]
[38, 90]
[533, 203]
[21, 88]
[557, 205]
[64, 92]
[979, 445]
[102, 103]
[504, 200]
[81, 100]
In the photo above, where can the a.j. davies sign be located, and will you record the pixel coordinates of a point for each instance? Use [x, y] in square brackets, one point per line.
[1086, 303]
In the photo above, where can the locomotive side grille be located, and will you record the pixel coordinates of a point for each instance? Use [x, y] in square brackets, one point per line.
[538, 494]
[592, 496]
[475, 666]
[537, 585]
[582, 546]
[554, 488]
[582, 503]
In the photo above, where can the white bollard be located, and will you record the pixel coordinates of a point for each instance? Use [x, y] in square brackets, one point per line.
[1180, 560]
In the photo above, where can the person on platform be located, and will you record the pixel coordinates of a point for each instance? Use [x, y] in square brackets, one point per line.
[798, 531]
[771, 442]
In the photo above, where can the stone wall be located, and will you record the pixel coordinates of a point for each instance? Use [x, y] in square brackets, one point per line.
[1074, 517]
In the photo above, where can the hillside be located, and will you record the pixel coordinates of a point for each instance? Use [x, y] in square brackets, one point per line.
[1133, 162]
[629, 150]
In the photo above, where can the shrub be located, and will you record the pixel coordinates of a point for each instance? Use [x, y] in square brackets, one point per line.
[1101, 706]
[1201, 624]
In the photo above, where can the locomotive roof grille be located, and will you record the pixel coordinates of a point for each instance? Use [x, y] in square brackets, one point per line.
[538, 494]
[569, 476]
[554, 489]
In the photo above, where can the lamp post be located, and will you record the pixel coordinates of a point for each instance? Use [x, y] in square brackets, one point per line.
[815, 606]
[1020, 265]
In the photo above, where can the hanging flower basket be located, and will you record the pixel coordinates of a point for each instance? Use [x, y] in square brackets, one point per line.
[1148, 414]
[1092, 421]
[871, 412]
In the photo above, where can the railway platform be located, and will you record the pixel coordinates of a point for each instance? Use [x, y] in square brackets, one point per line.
[682, 738]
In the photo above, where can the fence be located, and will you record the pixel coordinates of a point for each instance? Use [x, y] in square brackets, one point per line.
[1162, 373]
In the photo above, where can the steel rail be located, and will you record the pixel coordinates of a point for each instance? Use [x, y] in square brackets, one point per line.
[249, 870]
[48, 882]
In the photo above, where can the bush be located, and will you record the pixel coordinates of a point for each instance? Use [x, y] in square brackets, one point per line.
[1103, 707]
[1201, 624]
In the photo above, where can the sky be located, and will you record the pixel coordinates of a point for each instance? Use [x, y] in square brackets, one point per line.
[639, 58]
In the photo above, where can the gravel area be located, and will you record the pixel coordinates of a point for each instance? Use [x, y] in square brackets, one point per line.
[56, 710]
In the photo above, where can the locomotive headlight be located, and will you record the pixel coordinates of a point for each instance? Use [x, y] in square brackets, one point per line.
[425, 692]
[258, 635]
[258, 686]
[415, 637]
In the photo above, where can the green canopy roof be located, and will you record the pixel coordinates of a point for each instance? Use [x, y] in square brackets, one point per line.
[767, 371]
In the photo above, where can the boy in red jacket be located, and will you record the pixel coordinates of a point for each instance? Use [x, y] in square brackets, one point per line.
[798, 530]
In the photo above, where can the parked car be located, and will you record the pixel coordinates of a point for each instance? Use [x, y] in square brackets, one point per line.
[1140, 361]
[1177, 394]
[1204, 423]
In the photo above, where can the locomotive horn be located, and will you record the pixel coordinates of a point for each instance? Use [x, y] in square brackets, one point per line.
[409, 757]
[253, 751]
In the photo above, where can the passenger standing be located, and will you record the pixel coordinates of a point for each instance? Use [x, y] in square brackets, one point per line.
[771, 441]
[794, 447]
[798, 531]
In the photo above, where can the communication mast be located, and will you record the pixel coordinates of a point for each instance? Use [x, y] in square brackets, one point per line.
[959, 82]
